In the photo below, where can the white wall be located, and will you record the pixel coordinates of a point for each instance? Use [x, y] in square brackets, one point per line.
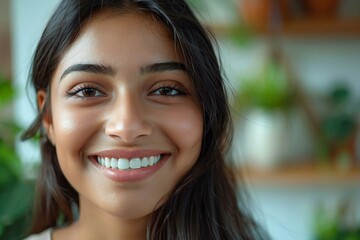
[288, 211]
[28, 19]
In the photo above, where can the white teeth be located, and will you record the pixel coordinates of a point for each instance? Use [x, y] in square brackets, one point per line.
[107, 162]
[135, 163]
[144, 162]
[151, 161]
[114, 163]
[124, 164]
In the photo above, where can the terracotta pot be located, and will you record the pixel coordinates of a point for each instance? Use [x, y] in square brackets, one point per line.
[257, 12]
[322, 8]
[345, 152]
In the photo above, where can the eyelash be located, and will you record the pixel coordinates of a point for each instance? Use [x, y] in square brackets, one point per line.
[165, 90]
[80, 89]
[180, 91]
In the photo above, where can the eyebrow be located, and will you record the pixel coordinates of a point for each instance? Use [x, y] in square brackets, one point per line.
[162, 67]
[108, 70]
[90, 68]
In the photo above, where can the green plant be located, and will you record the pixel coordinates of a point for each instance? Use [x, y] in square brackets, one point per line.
[339, 123]
[268, 89]
[234, 30]
[338, 126]
[335, 227]
[16, 193]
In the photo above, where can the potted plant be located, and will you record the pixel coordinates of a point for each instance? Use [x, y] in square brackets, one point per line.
[338, 128]
[265, 99]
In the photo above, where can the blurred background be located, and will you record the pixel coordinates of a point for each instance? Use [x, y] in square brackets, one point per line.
[293, 68]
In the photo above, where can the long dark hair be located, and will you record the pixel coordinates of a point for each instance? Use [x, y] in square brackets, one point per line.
[204, 204]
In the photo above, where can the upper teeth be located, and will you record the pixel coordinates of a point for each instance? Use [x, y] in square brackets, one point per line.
[124, 163]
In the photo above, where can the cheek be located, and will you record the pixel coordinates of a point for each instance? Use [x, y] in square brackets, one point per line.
[72, 129]
[185, 128]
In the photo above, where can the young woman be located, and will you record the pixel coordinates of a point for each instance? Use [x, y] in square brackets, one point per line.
[135, 126]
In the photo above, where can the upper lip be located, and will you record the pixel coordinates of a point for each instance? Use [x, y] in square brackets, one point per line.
[139, 153]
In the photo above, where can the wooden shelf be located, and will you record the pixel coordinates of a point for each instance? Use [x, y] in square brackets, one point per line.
[306, 27]
[301, 175]
[334, 27]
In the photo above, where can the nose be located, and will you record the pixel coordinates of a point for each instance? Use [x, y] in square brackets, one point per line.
[127, 119]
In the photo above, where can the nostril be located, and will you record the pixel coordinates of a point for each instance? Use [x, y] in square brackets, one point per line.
[128, 129]
[127, 119]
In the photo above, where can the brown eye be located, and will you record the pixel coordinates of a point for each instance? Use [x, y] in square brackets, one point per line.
[89, 92]
[85, 92]
[168, 91]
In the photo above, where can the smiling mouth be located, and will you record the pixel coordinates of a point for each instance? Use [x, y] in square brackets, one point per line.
[129, 164]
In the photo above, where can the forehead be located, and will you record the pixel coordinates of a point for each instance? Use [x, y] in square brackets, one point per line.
[125, 20]
[111, 37]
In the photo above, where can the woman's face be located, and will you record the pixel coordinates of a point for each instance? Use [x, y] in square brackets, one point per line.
[124, 118]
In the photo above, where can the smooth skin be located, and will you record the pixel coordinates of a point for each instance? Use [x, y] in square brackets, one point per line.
[121, 104]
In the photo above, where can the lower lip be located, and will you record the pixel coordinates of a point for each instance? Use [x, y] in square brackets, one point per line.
[133, 174]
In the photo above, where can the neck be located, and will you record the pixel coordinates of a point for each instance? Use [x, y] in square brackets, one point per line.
[94, 223]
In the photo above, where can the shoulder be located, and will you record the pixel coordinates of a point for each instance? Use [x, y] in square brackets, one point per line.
[45, 235]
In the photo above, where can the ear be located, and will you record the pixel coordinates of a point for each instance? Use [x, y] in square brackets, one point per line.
[43, 103]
